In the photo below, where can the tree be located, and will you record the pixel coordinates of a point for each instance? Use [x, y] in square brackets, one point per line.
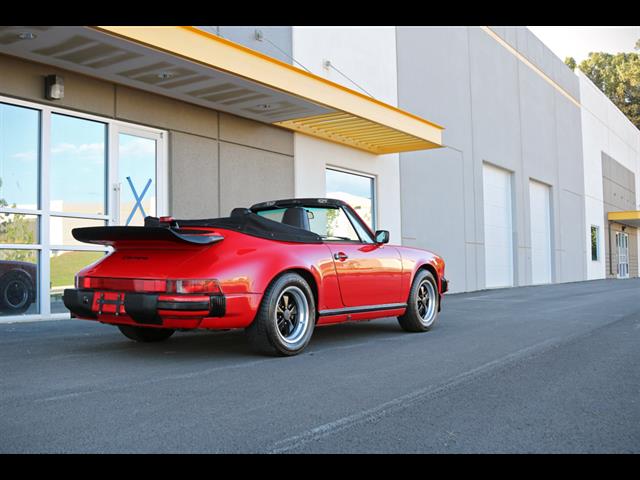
[618, 76]
[570, 62]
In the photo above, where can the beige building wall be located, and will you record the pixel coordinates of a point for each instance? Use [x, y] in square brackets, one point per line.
[216, 161]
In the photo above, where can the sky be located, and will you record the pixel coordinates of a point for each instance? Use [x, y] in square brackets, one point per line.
[577, 42]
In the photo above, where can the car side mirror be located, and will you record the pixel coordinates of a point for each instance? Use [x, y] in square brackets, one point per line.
[382, 236]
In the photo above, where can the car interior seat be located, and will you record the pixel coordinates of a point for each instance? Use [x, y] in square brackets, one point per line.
[296, 217]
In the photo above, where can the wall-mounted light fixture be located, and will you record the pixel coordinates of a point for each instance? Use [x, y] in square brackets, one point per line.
[53, 87]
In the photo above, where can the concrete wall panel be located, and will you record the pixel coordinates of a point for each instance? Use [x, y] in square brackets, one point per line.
[432, 205]
[193, 175]
[249, 176]
[254, 134]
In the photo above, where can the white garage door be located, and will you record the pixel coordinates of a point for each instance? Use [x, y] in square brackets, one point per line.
[498, 237]
[539, 201]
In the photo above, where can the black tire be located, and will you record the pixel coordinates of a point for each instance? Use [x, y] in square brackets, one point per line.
[16, 293]
[421, 317]
[146, 334]
[270, 331]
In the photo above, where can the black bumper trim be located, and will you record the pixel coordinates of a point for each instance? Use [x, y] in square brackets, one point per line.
[444, 285]
[363, 309]
[79, 302]
[142, 307]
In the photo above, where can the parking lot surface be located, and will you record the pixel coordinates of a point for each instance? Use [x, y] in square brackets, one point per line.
[534, 369]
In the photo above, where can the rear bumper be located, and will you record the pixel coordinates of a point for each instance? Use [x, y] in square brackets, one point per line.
[142, 308]
[444, 285]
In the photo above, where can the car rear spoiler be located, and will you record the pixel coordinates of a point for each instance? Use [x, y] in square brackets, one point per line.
[111, 235]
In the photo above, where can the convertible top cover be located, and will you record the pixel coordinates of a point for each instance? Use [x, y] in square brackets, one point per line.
[245, 221]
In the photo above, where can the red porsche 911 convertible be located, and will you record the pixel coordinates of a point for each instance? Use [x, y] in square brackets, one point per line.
[277, 269]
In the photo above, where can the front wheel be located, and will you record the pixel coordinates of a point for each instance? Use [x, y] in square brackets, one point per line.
[286, 318]
[145, 334]
[422, 307]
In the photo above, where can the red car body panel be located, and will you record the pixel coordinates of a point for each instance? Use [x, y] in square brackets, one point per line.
[245, 265]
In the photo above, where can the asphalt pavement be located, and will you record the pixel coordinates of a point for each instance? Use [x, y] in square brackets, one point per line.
[551, 368]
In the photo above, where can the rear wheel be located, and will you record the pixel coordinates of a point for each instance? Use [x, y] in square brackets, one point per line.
[422, 307]
[286, 318]
[145, 334]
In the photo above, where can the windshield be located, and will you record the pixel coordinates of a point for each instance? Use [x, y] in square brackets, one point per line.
[331, 223]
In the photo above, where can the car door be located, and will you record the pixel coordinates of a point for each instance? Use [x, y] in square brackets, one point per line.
[368, 274]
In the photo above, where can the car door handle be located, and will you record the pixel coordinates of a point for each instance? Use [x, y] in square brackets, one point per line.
[340, 256]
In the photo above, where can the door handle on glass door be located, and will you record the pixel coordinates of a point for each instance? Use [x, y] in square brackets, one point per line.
[115, 217]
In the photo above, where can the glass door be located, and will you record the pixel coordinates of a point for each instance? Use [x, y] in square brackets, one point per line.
[136, 176]
[622, 242]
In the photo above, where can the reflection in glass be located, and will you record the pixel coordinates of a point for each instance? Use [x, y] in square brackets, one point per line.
[60, 229]
[18, 228]
[19, 153]
[275, 214]
[77, 165]
[356, 190]
[64, 266]
[332, 223]
[137, 172]
[18, 282]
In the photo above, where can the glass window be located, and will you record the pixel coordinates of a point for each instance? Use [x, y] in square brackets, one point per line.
[78, 165]
[76, 183]
[595, 240]
[18, 282]
[356, 190]
[332, 224]
[137, 171]
[60, 229]
[329, 223]
[18, 228]
[364, 235]
[276, 214]
[64, 265]
[19, 156]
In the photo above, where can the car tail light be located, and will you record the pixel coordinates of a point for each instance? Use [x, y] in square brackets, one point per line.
[122, 284]
[193, 286]
[200, 286]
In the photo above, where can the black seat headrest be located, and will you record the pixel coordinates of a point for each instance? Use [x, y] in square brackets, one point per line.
[238, 212]
[296, 217]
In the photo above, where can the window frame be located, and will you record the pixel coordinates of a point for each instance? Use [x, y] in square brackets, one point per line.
[374, 190]
[44, 246]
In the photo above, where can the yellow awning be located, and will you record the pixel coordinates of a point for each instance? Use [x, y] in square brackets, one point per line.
[341, 115]
[627, 217]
